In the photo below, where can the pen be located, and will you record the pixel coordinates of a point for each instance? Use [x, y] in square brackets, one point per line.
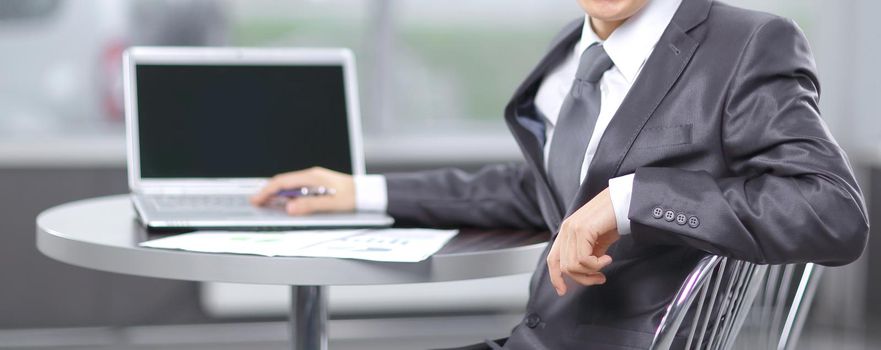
[306, 192]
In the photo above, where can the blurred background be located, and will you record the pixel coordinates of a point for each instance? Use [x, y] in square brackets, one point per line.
[61, 139]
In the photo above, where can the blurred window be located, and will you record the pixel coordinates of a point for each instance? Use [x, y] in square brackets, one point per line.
[26, 9]
[426, 67]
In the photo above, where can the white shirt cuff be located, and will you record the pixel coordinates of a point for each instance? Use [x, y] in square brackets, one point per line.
[371, 193]
[621, 189]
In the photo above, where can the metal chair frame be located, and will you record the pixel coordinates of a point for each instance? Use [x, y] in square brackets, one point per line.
[753, 295]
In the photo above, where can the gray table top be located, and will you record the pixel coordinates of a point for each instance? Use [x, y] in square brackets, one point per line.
[103, 234]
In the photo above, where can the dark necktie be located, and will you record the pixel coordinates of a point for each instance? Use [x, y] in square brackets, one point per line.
[575, 124]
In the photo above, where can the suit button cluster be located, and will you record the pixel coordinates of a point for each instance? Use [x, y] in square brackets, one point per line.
[679, 218]
[532, 320]
[657, 213]
[693, 222]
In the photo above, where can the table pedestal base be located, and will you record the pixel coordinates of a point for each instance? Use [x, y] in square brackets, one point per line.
[308, 318]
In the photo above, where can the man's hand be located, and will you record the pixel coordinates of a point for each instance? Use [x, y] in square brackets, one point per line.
[343, 199]
[579, 251]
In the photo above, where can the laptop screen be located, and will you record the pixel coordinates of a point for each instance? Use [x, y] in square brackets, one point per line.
[240, 121]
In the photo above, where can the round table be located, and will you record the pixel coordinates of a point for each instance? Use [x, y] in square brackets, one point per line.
[103, 234]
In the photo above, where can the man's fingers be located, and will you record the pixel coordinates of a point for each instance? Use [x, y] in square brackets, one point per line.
[604, 242]
[586, 265]
[569, 252]
[589, 279]
[281, 182]
[583, 243]
[580, 259]
[308, 205]
[266, 193]
[554, 271]
[557, 279]
[600, 249]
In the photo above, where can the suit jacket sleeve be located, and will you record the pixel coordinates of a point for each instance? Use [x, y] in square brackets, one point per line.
[792, 196]
[496, 196]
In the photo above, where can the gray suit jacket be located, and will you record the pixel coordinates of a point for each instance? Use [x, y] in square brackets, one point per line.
[731, 157]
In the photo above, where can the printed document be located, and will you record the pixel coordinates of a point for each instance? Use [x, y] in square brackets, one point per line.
[393, 245]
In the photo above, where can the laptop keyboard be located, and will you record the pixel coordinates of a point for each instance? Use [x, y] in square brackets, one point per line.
[200, 202]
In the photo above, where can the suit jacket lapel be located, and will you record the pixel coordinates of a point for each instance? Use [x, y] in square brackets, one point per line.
[662, 69]
[521, 111]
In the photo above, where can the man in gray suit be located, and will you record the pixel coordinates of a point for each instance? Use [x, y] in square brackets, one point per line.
[654, 132]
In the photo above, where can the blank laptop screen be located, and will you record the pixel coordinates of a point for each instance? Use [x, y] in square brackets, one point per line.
[240, 121]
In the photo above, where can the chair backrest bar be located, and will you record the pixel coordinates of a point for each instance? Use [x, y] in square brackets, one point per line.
[726, 296]
[684, 298]
[801, 305]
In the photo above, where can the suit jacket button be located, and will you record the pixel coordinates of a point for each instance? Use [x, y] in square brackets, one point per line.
[532, 320]
[681, 219]
[693, 222]
[657, 213]
[669, 215]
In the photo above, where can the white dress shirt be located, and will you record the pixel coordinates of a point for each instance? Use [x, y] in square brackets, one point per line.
[629, 46]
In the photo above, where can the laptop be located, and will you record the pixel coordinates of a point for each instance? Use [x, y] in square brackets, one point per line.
[206, 127]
